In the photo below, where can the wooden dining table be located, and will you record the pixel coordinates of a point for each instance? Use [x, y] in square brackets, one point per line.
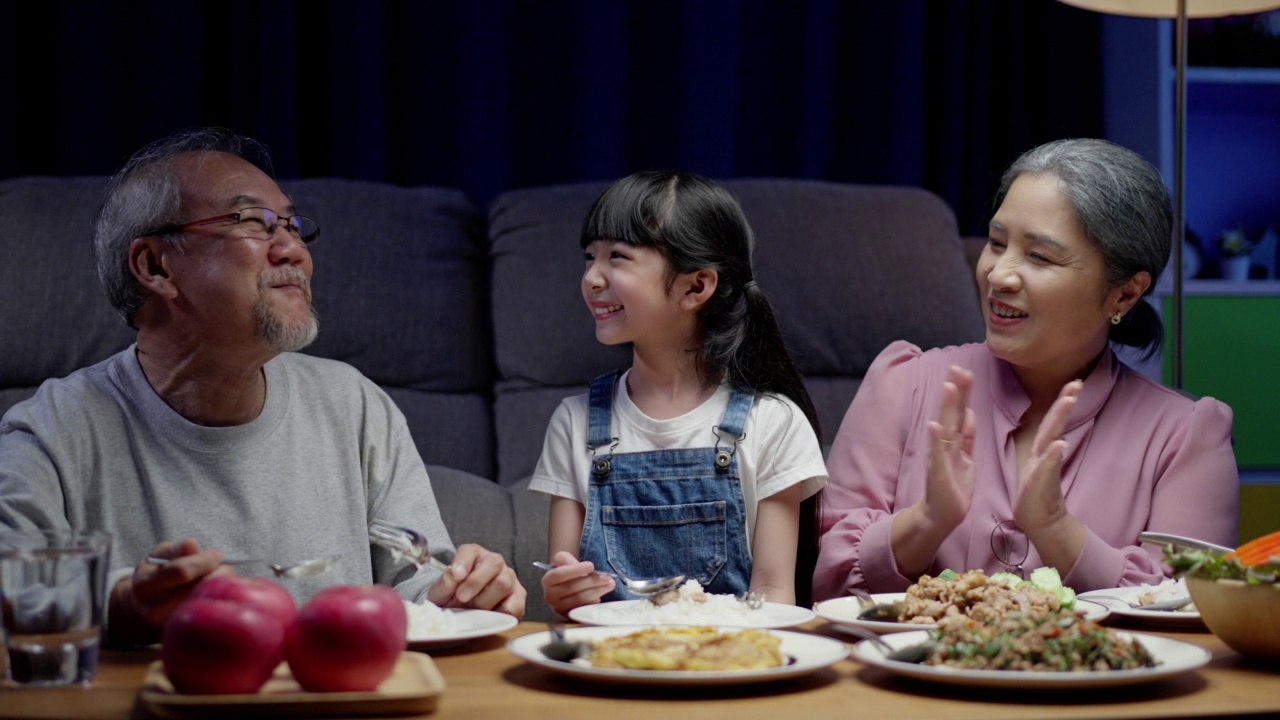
[485, 680]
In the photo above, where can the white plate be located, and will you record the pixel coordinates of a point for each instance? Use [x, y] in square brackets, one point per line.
[1119, 608]
[844, 611]
[1175, 657]
[810, 653]
[467, 625]
[772, 615]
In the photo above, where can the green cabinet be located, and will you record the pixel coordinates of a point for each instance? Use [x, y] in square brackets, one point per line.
[1232, 353]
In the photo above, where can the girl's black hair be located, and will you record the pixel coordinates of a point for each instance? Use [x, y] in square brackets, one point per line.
[696, 224]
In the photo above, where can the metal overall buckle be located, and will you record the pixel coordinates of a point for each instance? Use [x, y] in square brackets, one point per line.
[725, 457]
[600, 466]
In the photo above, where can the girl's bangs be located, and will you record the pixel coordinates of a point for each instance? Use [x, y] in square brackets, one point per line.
[625, 213]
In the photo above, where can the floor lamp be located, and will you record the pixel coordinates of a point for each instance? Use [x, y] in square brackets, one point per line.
[1179, 10]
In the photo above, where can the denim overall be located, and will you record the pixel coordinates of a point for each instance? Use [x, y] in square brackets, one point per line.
[667, 512]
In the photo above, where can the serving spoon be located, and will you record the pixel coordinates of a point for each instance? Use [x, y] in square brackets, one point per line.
[562, 649]
[914, 654]
[314, 567]
[1177, 541]
[1176, 603]
[881, 612]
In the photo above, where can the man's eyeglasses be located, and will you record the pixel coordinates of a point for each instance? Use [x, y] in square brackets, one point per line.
[1010, 546]
[255, 222]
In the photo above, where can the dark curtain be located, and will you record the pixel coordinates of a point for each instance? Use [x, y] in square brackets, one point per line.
[489, 95]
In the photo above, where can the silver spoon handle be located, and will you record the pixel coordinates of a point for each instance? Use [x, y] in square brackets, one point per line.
[1178, 541]
[548, 566]
[166, 561]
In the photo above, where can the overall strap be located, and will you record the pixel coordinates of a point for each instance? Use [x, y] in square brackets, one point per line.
[600, 419]
[732, 425]
[735, 412]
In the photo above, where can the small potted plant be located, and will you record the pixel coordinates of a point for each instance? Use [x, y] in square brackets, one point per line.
[1235, 247]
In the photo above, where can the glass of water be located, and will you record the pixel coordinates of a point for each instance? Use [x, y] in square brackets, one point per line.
[53, 589]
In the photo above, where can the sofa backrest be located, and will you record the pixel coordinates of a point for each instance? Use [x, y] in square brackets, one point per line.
[54, 314]
[401, 278]
[848, 268]
[401, 288]
[477, 339]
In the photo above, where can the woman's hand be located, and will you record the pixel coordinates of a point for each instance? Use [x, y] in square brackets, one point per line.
[1040, 510]
[573, 583]
[1039, 500]
[949, 486]
[919, 531]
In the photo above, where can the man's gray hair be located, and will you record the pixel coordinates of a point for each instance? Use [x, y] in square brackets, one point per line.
[146, 195]
[1123, 206]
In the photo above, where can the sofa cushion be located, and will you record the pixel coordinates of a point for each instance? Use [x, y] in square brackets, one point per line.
[848, 268]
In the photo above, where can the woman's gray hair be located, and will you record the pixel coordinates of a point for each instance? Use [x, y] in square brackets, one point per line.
[146, 195]
[1123, 206]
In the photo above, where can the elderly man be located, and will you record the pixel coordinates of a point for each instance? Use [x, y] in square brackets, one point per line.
[211, 438]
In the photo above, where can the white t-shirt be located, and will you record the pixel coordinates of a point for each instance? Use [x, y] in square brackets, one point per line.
[780, 448]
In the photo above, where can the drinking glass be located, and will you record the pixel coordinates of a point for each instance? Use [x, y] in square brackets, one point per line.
[53, 586]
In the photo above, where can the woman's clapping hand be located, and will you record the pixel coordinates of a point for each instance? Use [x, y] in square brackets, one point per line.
[949, 489]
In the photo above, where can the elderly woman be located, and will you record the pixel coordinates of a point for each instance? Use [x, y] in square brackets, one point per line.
[1038, 447]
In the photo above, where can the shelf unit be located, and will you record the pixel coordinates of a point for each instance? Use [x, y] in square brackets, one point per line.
[1231, 347]
[1232, 152]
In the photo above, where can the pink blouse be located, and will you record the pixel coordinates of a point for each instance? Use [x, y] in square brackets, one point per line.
[1140, 456]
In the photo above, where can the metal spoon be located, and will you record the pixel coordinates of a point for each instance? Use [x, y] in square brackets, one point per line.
[1177, 541]
[914, 654]
[881, 612]
[314, 567]
[1171, 604]
[562, 649]
[639, 587]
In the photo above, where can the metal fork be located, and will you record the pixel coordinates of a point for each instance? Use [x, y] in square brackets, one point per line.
[405, 542]
[753, 600]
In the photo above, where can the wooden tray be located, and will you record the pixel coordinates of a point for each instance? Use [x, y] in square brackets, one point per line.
[414, 687]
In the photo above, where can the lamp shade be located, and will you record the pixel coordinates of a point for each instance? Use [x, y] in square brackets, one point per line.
[1169, 8]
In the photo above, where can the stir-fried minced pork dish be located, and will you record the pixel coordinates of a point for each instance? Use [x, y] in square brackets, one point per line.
[1043, 640]
[974, 595]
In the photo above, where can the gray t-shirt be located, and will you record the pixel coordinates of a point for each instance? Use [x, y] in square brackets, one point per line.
[330, 452]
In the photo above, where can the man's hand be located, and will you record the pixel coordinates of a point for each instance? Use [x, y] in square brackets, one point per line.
[479, 578]
[143, 602]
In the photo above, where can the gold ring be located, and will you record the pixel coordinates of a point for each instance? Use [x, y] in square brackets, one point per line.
[947, 441]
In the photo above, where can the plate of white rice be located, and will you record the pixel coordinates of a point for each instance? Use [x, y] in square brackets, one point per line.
[692, 607]
[433, 627]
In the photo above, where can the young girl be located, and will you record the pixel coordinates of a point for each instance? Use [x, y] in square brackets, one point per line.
[695, 461]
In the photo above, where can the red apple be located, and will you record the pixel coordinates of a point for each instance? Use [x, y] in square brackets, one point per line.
[216, 647]
[347, 638]
[266, 595]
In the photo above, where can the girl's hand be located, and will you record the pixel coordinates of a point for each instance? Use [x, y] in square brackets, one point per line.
[1039, 503]
[949, 485]
[573, 583]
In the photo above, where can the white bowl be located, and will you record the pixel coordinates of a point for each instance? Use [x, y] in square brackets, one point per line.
[1246, 617]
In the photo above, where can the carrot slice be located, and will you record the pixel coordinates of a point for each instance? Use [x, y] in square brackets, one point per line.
[1257, 551]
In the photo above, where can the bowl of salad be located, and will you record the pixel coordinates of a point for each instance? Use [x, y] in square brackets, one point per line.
[1238, 594]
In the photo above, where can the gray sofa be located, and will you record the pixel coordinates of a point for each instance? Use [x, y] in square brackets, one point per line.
[474, 324]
